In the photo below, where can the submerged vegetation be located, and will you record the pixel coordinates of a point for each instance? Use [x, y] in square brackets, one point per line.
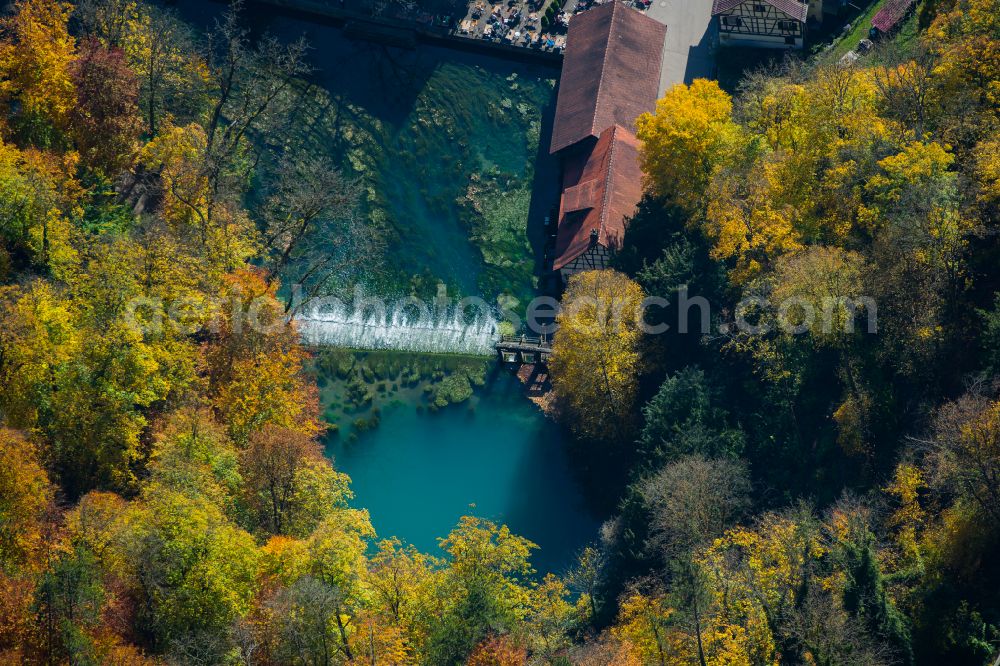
[355, 386]
[445, 164]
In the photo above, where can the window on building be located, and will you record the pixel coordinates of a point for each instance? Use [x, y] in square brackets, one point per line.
[760, 9]
[788, 26]
[732, 21]
[790, 39]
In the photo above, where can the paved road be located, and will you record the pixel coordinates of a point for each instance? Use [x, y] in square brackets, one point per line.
[687, 54]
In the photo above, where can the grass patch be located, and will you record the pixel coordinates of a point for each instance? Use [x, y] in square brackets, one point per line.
[847, 42]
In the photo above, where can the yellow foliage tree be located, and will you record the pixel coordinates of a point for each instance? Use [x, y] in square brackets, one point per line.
[756, 575]
[207, 227]
[256, 366]
[403, 590]
[916, 198]
[595, 356]
[965, 38]
[687, 139]
[818, 291]
[36, 189]
[25, 496]
[987, 170]
[35, 58]
[908, 518]
[644, 623]
[747, 221]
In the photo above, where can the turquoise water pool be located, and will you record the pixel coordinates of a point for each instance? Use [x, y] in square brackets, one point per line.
[494, 456]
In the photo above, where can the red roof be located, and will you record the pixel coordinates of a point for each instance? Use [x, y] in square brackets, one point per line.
[887, 18]
[600, 191]
[793, 8]
[610, 74]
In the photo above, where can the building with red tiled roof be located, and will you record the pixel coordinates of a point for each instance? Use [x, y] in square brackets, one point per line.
[610, 74]
[601, 189]
[767, 23]
[891, 15]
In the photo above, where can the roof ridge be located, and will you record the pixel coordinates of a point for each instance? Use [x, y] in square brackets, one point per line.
[604, 65]
[799, 12]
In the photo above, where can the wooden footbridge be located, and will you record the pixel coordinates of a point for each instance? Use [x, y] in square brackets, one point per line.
[524, 349]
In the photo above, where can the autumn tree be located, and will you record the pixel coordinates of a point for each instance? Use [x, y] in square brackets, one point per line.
[25, 497]
[830, 636]
[687, 139]
[819, 291]
[37, 190]
[160, 49]
[881, 630]
[290, 487]
[964, 458]
[105, 121]
[107, 20]
[336, 560]
[36, 54]
[691, 502]
[68, 603]
[498, 651]
[404, 585]
[218, 231]
[303, 623]
[595, 355]
[587, 577]
[27, 525]
[96, 411]
[758, 574]
[192, 454]
[644, 625]
[192, 572]
[256, 374]
[486, 586]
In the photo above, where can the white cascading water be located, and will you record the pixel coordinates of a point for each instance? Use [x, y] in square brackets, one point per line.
[401, 328]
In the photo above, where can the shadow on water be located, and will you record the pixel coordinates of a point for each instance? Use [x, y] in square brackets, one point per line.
[434, 120]
[450, 148]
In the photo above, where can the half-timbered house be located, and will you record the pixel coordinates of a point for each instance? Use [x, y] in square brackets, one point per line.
[779, 24]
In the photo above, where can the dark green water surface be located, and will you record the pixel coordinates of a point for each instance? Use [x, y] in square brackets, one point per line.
[446, 146]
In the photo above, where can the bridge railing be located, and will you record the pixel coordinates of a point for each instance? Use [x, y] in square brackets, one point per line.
[516, 349]
[542, 341]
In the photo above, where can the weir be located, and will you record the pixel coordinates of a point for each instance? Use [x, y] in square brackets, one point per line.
[445, 332]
